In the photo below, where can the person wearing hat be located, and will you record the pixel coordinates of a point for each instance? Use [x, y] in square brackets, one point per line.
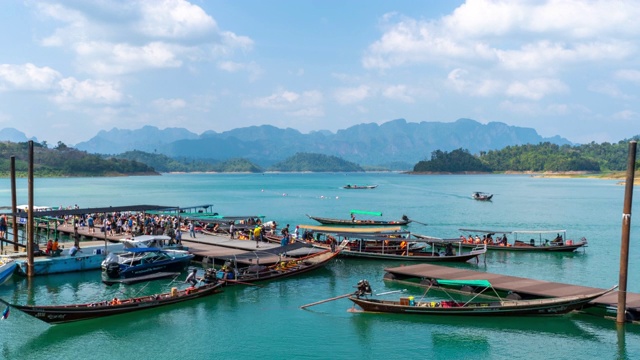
[296, 232]
[192, 278]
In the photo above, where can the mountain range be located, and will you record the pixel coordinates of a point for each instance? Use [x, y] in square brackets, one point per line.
[396, 144]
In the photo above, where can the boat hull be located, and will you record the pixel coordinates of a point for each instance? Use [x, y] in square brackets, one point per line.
[291, 268]
[63, 264]
[69, 313]
[414, 256]
[175, 265]
[529, 248]
[349, 222]
[553, 306]
[7, 269]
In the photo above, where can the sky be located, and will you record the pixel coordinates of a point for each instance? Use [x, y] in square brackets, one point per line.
[71, 68]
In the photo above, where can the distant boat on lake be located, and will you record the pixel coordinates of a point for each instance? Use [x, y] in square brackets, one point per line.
[349, 186]
[481, 196]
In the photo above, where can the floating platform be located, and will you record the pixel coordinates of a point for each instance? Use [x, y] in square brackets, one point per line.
[423, 274]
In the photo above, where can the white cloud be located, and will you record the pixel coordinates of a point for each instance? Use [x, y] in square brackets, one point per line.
[628, 75]
[27, 77]
[88, 91]
[625, 115]
[139, 35]
[519, 35]
[535, 89]
[398, 92]
[352, 95]
[169, 104]
[251, 68]
[287, 100]
[174, 19]
[307, 112]
[461, 81]
[116, 59]
[610, 90]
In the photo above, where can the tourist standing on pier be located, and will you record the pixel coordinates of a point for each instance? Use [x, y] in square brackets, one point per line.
[257, 235]
[192, 229]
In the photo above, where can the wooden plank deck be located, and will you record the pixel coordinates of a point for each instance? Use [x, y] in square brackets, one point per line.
[512, 283]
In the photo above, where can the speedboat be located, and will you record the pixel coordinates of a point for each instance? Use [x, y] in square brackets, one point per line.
[136, 262]
[152, 241]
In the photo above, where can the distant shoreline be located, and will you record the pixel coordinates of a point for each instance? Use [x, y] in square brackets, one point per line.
[616, 175]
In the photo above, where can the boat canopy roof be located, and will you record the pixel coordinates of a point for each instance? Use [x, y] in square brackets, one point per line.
[484, 283]
[221, 218]
[362, 212]
[390, 236]
[336, 229]
[538, 231]
[110, 209]
[513, 231]
[487, 231]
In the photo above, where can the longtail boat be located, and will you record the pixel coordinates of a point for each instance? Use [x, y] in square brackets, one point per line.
[353, 221]
[57, 314]
[395, 245]
[499, 307]
[231, 273]
[535, 243]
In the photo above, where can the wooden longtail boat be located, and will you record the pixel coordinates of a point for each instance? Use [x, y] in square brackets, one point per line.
[361, 222]
[392, 246]
[560, 243]
[57, 314]
[499, 307]
[231, 273]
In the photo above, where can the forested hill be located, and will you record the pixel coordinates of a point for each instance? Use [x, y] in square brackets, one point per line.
[163, 163]
[542, 157]
[301, 162]
[65, 161]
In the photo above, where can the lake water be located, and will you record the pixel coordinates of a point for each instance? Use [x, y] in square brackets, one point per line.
[245, 322]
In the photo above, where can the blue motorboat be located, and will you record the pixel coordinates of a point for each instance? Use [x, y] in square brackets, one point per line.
[136, 262]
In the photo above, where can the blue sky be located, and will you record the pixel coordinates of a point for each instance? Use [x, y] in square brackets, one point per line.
[69, 69]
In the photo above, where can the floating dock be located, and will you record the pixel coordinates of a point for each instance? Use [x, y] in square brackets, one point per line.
[424, 273]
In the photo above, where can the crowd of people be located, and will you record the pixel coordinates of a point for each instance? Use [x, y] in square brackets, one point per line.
[486, 239]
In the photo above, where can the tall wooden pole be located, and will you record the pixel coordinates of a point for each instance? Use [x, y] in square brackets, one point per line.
[30, 227]
[14, 204]
[626, 225]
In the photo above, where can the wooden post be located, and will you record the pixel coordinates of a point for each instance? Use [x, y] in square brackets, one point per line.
[30, 227]
[626, 225]
[14, 204]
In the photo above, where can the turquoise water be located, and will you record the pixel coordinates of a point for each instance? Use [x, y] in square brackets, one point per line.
[264, 321]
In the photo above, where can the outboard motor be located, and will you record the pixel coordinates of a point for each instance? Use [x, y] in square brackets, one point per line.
[113, 270]
[363, 288]
[210, 276]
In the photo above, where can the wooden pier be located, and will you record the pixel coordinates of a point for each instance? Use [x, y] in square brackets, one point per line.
[205, 247]
[523, 286]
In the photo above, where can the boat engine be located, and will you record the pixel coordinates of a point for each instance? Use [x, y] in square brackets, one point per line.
[113, 270]
[210, 276]
[363, 288]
